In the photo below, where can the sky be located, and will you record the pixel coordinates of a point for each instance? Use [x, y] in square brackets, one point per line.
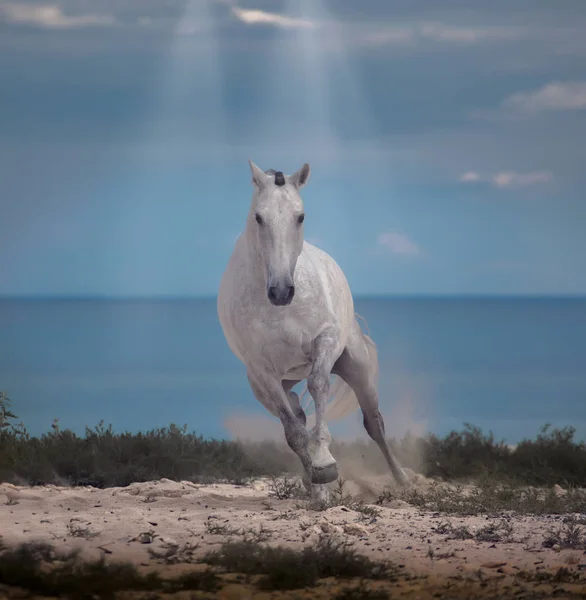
[447, 141]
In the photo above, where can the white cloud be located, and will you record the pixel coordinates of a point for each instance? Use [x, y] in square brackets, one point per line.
[553, 96]
[508, 179]
[387, 36]
[50, 16]
[398, 243]
[438, 32]
[468, 35]
[255, 17]
[470, 176]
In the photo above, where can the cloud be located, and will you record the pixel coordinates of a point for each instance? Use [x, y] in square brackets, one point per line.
[50, 16]
[468, 35]
[256, 17]
[508, 179]
[398, 243]
[374, 35]
[553, 96]
[438, 32]
[470, 176]
[389, 35]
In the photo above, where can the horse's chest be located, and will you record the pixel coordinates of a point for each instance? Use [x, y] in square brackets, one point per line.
[284, 343]
[283, 337]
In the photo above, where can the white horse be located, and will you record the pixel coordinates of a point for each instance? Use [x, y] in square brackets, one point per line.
[287, 313]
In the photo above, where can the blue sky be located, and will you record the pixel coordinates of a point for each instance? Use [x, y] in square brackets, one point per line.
[447, 141]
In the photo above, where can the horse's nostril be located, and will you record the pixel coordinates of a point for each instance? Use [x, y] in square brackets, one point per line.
[281, 295]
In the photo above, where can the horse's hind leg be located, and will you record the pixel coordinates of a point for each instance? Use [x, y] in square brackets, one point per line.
[271, 393]
[358, 367]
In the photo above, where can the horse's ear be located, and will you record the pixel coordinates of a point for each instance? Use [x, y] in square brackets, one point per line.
[259, 177]
[299, 178]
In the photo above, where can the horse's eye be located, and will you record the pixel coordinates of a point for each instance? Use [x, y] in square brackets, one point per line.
[300, 219]
[258, 218]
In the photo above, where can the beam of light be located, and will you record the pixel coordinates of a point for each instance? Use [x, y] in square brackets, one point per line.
[352, 122]
[317, 99]
[317, 68]
[187, 99]
[299, 92]
[186, 116]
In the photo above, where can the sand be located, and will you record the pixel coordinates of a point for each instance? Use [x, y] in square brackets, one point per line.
[125, 523]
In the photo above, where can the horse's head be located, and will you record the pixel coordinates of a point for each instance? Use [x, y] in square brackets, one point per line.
[276, 224]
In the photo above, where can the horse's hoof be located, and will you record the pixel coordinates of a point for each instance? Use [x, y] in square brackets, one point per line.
[325, 474]
[320, 493]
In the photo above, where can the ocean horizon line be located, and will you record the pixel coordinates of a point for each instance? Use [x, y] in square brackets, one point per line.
[210, 297]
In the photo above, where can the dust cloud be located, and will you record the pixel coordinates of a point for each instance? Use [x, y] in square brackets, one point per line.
[361, 464]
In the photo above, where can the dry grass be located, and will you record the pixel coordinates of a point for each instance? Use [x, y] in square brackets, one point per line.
[569, 535]
[284, 568]
[491, 498]
[497, 531]
[41, 570]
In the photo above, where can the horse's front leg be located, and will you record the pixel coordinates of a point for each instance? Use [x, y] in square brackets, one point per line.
[324, 468]
[269, 391]
[317, 491]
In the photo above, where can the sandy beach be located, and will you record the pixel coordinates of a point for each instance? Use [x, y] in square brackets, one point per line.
[143, 521]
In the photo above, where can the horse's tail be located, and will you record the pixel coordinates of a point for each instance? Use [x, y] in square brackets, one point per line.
[343, 401]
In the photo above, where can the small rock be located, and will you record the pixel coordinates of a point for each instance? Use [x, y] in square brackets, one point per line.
[9, 486]
[258, 486]
[189, 483]
[355, 529]
[172, 493]
[329, 528]
[558, 490]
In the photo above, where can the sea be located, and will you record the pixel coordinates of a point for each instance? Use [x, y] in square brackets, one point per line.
[506, 365]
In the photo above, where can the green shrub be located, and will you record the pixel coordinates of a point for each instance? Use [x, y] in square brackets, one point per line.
[103, 458]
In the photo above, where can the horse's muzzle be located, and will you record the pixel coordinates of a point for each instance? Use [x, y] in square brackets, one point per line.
[281, 295]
